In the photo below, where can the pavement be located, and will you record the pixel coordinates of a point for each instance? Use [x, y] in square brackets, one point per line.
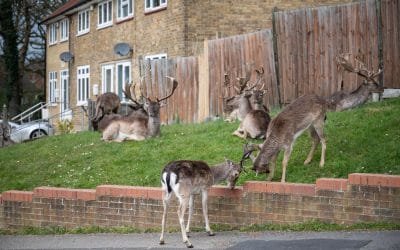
[222, 240]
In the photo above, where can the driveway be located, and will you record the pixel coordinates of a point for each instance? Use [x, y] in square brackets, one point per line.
[222, 240]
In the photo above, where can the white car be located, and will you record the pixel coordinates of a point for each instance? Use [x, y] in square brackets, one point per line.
[30, 130]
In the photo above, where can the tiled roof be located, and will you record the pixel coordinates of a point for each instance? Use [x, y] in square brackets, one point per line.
[64, 8]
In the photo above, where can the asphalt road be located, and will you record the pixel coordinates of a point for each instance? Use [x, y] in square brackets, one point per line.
[222, 240]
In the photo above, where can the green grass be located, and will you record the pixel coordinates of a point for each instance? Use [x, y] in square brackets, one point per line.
[365, 140]
[315, 226]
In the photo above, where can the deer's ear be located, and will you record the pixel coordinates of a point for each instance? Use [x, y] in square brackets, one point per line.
[163, 104]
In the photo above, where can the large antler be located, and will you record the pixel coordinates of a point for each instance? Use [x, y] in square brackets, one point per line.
[174, 86]
[360, 69]
[130, 93]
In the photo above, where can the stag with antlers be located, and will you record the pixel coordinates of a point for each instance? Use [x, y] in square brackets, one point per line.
[185, 178]
[344, 100]
[138, 126]
[255, 117]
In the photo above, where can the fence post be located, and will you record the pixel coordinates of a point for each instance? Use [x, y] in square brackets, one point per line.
[378, 5]
[276, 56]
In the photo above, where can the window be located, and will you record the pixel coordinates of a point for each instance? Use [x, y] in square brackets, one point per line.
[123, 77]
[107, 78]
[52, 87]
[64, 29]
[125, 9]
[152, 5]
[104, 14]
[83, 22]
[53, 33]
[83, 76]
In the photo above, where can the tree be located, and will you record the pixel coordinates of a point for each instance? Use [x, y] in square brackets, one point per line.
[22, 42]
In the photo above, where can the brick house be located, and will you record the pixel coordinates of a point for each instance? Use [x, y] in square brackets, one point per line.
[92, 32]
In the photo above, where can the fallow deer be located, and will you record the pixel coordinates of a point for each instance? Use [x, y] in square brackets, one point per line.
[256, 117]
[306, 112]
[346, 100]
[185, 178]
[138, 126]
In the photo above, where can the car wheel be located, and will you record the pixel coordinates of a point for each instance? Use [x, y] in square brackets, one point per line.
[37, 134]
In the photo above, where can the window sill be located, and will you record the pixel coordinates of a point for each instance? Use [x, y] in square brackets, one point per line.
[122, 20]
[83, 33]
[154, 10]
[65, 40]
[100, 27]
[82, 104]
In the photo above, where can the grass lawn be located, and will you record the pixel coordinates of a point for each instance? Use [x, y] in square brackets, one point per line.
[364, 140]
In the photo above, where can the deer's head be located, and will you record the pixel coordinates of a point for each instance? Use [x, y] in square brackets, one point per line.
[234, 171]
[261, 162]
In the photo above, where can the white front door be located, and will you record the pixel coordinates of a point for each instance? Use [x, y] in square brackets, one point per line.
[65, 111]
[107, 79]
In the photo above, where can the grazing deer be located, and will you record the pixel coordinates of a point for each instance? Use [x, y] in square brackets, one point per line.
[185, 178]
[346, 100]
[138, 126]
[256, 117]
[306, 112]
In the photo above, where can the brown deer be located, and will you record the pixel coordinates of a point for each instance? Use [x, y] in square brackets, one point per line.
[185, 178]
[346, 100]
[138, 126]
[306, 112]
[256, 117]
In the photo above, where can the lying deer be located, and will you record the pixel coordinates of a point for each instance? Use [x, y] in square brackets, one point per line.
[346, 100]
[185, 178]
[137, 126]
[306, 112]
[255, 117]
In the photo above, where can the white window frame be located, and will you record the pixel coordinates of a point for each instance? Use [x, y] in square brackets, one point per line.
[156, 56]
[104, 70]
[105, 20]
[53, 87]
[121, 4]
[64, 30]
[150, 5]
[83, 85]
[65, 109]
[83, 22]
[120, 83]
[53, 33]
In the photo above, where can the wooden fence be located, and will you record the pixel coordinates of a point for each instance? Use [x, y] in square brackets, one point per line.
[307, 41]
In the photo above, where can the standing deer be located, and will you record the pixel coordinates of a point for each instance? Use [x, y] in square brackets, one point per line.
[306, 112]
[256, 117]
[185, 178]
[138, 126]
[344, 100]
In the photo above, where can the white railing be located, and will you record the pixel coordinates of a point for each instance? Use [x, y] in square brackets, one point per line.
[29, 112]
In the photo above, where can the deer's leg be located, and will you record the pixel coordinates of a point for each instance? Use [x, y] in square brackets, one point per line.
[190, 214]
[183, 203]
[286, 157]
[272, 165]
[166, 198]
[315, 141]
[204, 198]
[319, 129]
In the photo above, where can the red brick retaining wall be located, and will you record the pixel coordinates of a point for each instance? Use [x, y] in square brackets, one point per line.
[360, 198]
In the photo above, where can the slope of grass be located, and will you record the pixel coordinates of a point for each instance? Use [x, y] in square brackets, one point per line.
[366, 140]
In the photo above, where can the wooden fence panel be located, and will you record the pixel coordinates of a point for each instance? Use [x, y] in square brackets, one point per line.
[231, 55]
[390, 10]
[308, 41]
[183, 105]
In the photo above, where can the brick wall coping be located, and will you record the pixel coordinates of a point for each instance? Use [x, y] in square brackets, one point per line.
[338, 185]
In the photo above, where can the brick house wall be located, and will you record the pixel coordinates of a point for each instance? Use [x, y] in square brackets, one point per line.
[177, 30]
[360, 198]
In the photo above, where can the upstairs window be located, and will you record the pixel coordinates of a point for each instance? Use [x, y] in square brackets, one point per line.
[83, 22]
[64, 29]
[125, 9]
[104, 14]
[53, 33]
[152, 5]
[52, 87]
